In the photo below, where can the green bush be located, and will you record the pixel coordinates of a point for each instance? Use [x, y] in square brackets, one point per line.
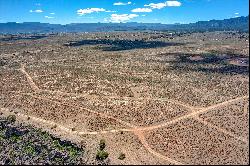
[15, 138]
[102, 155]
[29, 150]
[57, 144]
[72, 151]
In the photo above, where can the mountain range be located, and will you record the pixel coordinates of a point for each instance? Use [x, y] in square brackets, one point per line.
[232, 24]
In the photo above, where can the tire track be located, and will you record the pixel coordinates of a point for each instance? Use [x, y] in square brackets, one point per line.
[138, 130]
[32, 84]
[123, 98]
[81, 108]
[246, 109]
[37, 89]
[65, 129]
[221, 130]
[192, 114]
[141, 137]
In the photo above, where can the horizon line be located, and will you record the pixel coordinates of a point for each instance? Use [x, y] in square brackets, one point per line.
[122, 22]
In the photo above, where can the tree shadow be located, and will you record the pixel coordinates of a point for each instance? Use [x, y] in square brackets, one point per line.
[210, 63]
[14, 38]
[119, 45]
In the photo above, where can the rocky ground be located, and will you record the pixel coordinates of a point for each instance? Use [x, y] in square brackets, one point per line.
[155, 97]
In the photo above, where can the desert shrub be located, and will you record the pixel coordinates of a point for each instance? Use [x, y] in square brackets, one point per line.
[54, 126]
[57, 144]
[72, 151]
[29, 150]
[15, 138]
[102, 144]
[102, 155]
[121, 156]
[11, 118]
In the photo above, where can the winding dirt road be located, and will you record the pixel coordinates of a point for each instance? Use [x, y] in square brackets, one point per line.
[138, 131]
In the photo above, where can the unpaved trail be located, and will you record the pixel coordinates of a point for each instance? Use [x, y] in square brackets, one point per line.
[63, 128]
[226, 103]
[75, 95]
[138, 131]
[192, 114]
[32, 84]
[136, 128]
[221, 130]
[66, 93]
[246, 109]
[81, 108]
[37, 89]
[141, 137]
[67, 130]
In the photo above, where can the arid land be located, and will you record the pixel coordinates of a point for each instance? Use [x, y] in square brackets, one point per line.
[159, 98]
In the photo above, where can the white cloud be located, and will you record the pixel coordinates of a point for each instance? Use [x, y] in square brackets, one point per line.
[92, 10]
[236, 13]
[163, 4]
[48, 17]
[122, 17]
[110, 11]
[122, 3]
[36, 11]
[156, 5]
[141, 10]
[52, 13]
[89, 10]
[173, 3]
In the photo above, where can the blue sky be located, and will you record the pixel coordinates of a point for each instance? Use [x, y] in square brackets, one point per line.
[155, 11]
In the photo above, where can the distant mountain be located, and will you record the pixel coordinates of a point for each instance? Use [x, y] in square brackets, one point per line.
[236, 24]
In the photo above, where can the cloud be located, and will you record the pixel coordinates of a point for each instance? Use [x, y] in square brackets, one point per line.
[141, 10]
[156, 5]
[38, 4]
[89, 10]
[164, 4]
[92, 10]
[122, 17]
[36, 11]
[121, 3]
[48, 17]
[236, 13]
[52, 13]
[110, 11]
[173, 3]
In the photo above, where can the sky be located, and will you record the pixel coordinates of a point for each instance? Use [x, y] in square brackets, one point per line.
[146, 11]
